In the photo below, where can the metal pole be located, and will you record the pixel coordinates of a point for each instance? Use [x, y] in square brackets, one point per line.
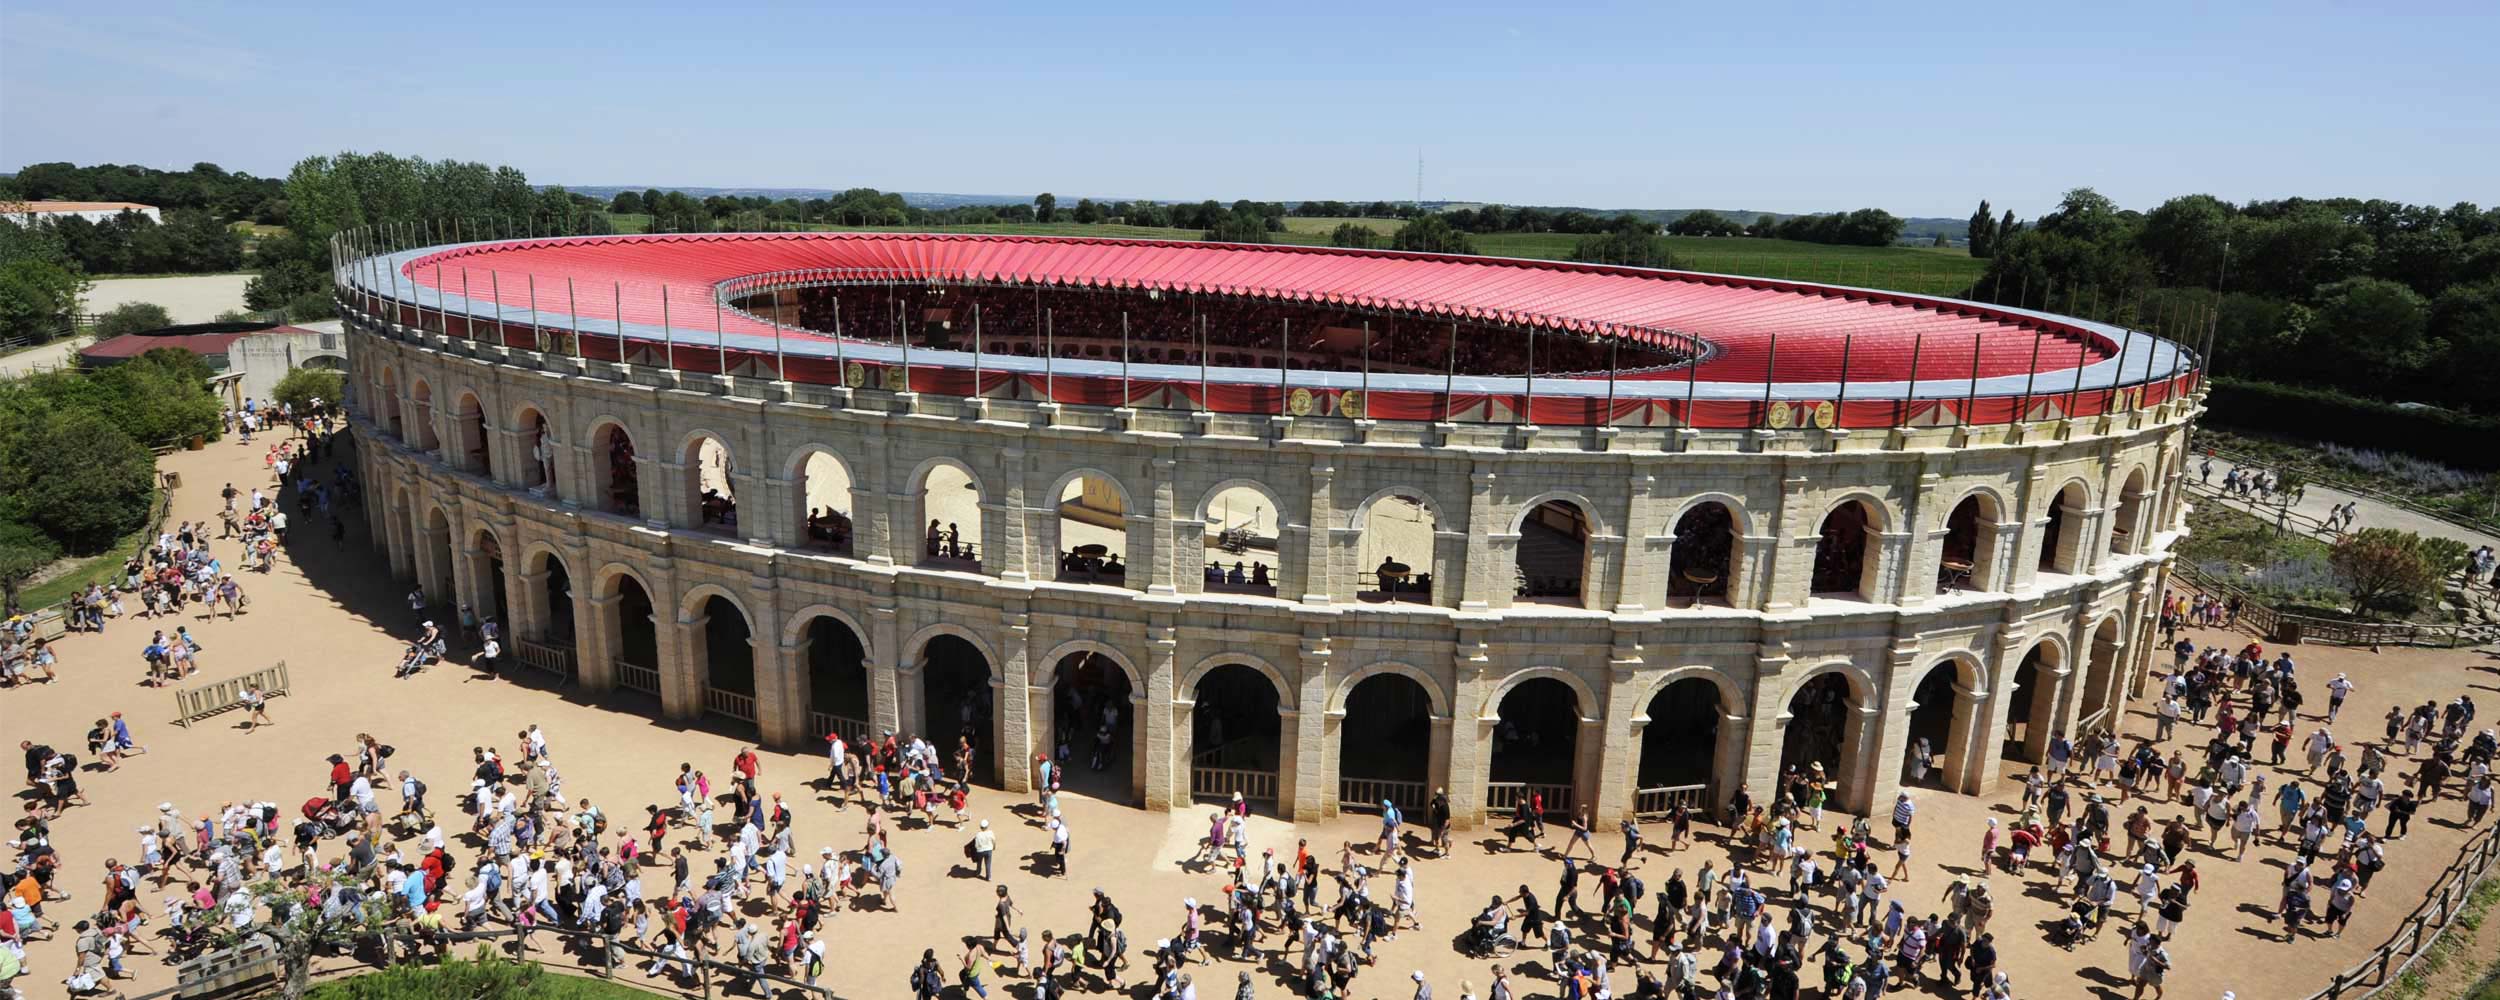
[668, 334]
[1284, 357]
[781, 363]
[1970, 400]
[468, 309]
[618, 288]
[1909, 394]
[1449, 380]
[1204, 400]
[494, 287]
[1614, 363]
[1770, 368]
[841, 364]
[976, 348]
[2109, 398]
[2030, 375]
[1124, 390]
[720, 338]
[1050, 352]
[537, 338]
[573, 306]
[1692, 380]
[1364, 406]
[1528, 412]
[1847, 341]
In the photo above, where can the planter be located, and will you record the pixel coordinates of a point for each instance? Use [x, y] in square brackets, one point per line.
[197, 442]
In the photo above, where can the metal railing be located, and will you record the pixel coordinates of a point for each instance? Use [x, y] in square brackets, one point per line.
[1365, 794]
[1505, 796]
[545, 657]
[1223, 782]
[729, 704]
[2257, 616]
[203, 700]
[1654, 803]
[2420, 929]
[635, 677]
[854, 731]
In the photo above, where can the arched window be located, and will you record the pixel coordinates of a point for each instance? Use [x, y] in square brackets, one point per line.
[1241, 542]
[1093, 531]
[1395, 549]
[1704, 555]
[1553, 555]
[1844, 557]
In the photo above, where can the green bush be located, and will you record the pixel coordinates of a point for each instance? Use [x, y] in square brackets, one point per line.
[300, 386]
[2461, 439]
[132, 317]
[75, 475]
[487, 975]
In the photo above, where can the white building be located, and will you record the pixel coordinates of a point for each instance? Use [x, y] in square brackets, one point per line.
[28, 213]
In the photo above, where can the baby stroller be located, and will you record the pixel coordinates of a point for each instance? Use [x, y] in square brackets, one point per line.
[333, 817]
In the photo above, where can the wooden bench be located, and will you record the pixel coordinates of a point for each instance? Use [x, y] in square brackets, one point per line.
[204, 700]
[220, 971]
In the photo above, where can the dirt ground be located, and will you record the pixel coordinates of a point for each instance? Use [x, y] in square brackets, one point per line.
[196, 298]
[339, 621]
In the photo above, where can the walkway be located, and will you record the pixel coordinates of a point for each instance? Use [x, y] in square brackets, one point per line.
[2316, 500]
[339, 622]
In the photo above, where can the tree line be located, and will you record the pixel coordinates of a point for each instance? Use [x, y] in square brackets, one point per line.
[2370, 297]
[75, 468]
[206, 187]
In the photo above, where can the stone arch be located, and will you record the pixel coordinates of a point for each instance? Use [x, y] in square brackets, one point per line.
[534, 428]
[2098, 708]
[1732, 692]
[2127, 520]
[918, 644]
[603, 580]
[1949, 721]
[1702, 568]
[1050, 662]
[2032, 701]
[441, 526]
[1967, 543]
[833, 529]
[923, 515]
[615, 476]
[1591, 707]
[421, 395]
[486, 573]
[1284, 689]
[1861, 686]
[1205, 508]
[794, 630]
[1843, 565]
[1106, 566]
[1669, 755]
[1841, 734]
[1432, 688]
[2061, 537]
[723, 512]
[1551, 562]
[547, 592]
[691, 601]
[1588, 509]
[1372, 548]
[471, 434]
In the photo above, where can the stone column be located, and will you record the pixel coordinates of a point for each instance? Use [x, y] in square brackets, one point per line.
[777, 520]
[1002, 526]
[1767, 738]
[1325, 565]
[594, 646]
[1189, 569]
[1441, 766]
[886, 670]
[659, 485]
[1643, 569]
[1789, 577]
[1882, 741]
[780, 668]
[682, 683]
[1166, 777]
[1462, 767]
[1618, 739]
[1153, 559]
[1481, 588]
[1601, 585]
[1306, 732]
[1014, 738]
[1449, 567]
[1497, 550]
[524, 612]
[1912, 565]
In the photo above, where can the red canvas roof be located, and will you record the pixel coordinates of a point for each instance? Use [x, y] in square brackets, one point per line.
[1883, 333]
[131, 345]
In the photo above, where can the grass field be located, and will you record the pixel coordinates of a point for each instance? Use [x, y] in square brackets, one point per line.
[1908, 269]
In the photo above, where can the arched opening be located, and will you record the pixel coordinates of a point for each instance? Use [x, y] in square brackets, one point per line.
[386, 405]
[438, 543]
[538, 454]
[637, 638]
[1704, 554]
[1241, 539]
[1384, 748]
[1535, 746]
[495, 602]
[837, 680]
[1969, 558]
[423, 396]
[1844, 557]
[469, 422]
[1395, 549]
[824, 502]
[1093, 531]
[1820, 734]
[1553, 554]
[616, 475]
[2061, 547]
[956, 704]
[2100, 679]
[2031, 706]
[1235, 736]
[2126, 527]
[1936, 705]
[727, 670]
[1092, 725]
[1680, 748]
[711, 494]
[556, 614]
[950, 503]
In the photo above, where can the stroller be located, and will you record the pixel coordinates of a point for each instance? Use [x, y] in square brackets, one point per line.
[335, 818]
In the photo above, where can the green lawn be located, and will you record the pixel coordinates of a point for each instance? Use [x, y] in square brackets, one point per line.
[92, 569]
[1910, 269]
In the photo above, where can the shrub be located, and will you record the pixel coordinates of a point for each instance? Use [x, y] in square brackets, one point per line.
[2461, 439]
[2387, 569]
[302, 385]
[132, 317]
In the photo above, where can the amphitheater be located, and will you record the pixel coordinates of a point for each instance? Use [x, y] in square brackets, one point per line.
[1323, 528]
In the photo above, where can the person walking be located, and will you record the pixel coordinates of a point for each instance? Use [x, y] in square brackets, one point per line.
[984, 845]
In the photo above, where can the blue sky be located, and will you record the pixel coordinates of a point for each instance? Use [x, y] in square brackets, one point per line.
[1920, 109]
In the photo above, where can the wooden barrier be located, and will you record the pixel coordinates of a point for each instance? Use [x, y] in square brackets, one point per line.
[1223, 782]
[2420, 929]
[1660, 802]
[2261, 618]
[215, 972]
[551, 659]
[1504, 797]
[1364, 794]
[202, 701]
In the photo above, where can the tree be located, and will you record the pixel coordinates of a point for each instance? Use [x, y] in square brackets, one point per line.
[132, 317]
[24, 551]
[39, 283]
[77, 477]
[1626, 246]
[626, 203]
[303, 385]
[1703, 223]
[1087, 213]
[1355, 235]
[1981, 231]
[2382, 566]
[1237, 227]
[1045, 207]
[1431, 234]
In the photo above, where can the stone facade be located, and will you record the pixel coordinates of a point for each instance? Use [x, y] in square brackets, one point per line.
[442, 482]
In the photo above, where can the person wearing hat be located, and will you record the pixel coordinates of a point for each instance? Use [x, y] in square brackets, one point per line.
[984, 845]
[1423, 990]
